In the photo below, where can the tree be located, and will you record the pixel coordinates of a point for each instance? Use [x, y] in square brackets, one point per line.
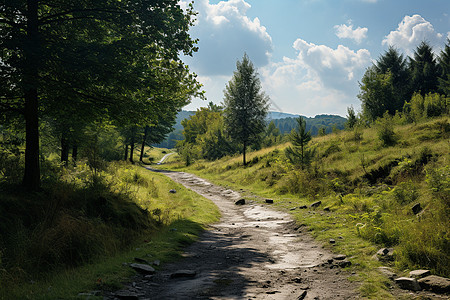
[245, 105]
[424, 70]
[351, 117]
[103, 57]
[298, 154]
[376, 94]
[444, 66]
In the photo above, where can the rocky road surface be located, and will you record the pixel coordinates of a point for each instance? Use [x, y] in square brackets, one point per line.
[254, 252]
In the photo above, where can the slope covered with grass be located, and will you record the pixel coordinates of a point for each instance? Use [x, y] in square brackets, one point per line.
[367, 191]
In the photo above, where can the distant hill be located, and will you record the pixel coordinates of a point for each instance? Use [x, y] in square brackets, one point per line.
[283, 121]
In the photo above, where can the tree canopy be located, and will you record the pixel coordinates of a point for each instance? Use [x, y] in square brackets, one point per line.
[93, 60]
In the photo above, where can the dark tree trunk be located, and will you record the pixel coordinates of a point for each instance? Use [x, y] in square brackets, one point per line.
[32, 175]
[64, 150]
[143, 143]
[133, 132]
[74, 153]
[243, 152]
[126, 152]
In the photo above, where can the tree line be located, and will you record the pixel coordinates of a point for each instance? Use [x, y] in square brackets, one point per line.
[68, 68]
[411, 85]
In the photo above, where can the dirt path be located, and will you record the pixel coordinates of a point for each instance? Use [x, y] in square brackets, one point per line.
[254, 252]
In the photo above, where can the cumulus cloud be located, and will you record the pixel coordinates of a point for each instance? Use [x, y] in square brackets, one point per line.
[347, 32]
[411, 31]
[225, 32]
[322, 78]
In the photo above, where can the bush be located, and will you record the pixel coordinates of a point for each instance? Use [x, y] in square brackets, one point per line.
[386, 130]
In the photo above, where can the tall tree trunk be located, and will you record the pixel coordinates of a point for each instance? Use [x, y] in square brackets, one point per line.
[31, 178]
[64, 149]
[126, 152]
[74, 153]
[143, 143]
[133, 133]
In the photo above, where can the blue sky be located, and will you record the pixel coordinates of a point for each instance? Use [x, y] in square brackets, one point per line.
[310, 54]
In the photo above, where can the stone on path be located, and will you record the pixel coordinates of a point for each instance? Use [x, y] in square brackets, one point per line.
[183, 273]
[240, 202]
[339, 257]
[435, 283]
[407, 283]
[142, 268]
[419, 273]
[302, 295]
[332, 241]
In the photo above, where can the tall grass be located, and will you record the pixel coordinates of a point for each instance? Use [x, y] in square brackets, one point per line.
[82, 217]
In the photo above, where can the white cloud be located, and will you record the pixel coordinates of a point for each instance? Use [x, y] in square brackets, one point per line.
[321, 79]
[225, 32]
[411, 31]
[347, 32]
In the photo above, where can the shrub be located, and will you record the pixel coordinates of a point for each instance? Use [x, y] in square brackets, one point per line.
[386, 130]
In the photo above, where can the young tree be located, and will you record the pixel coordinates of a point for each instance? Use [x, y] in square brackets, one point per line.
[298, 154]
[351, 117]
[245, 105]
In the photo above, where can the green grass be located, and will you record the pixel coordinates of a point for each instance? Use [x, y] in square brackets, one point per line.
[184, 211]
[369, 188]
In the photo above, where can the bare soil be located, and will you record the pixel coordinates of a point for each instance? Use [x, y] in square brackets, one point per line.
[254, 252]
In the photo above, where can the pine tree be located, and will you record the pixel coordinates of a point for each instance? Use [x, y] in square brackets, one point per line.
[424, 70]
[444, 66]
[245, 105]
[298, 154]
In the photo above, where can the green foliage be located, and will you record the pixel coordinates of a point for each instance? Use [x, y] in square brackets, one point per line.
[245, 105]
[351, 118]
[424, 70]
[422, 107]
[386, 130]
[299, 154]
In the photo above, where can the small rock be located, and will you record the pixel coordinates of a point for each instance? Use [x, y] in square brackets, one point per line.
[340, 257]
[156, 262]
[316, 204]
[416, 208]
[183, 273]
[387, 272]
[385, 254]
[419, 273]
[407, 283]
[128, 295]
[294, 208]
[269, 201]
[435, 283]
[343, 263]
[172, 191]
[240, 202]
[141, 268]
[302, 295]
[303, 207]
[332, 241]
[326, 209]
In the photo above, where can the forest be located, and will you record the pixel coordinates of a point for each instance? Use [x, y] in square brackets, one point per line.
[87, 88]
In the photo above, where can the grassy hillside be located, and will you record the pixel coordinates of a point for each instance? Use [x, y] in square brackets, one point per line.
[367, 190]
[75, 235]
